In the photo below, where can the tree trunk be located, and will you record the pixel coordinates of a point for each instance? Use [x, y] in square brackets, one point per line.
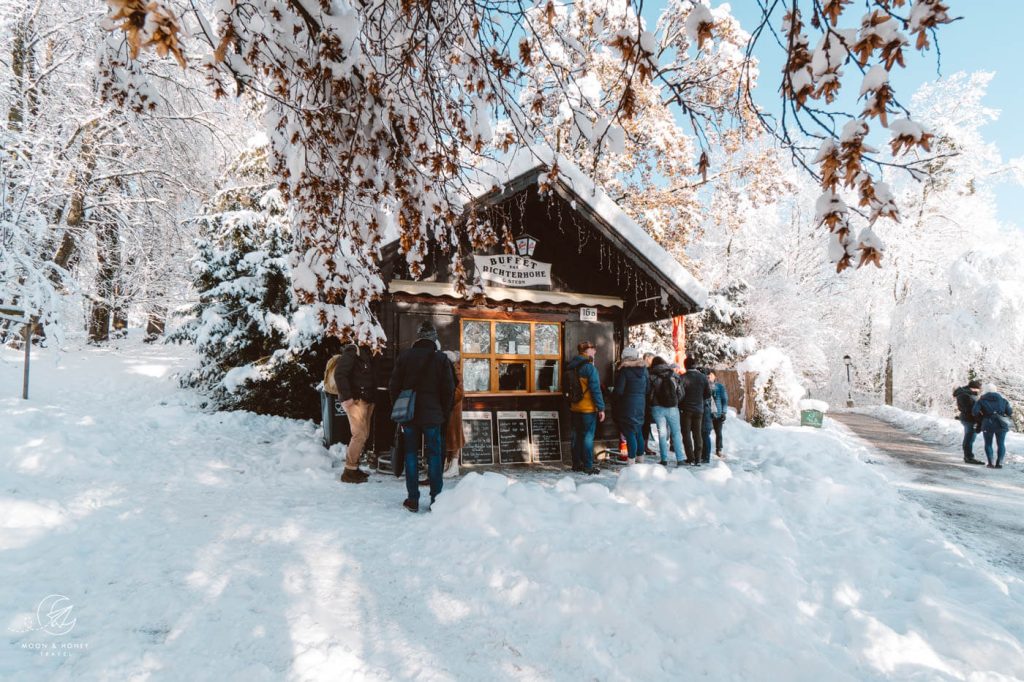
[23, 68]
[107, 260]
[155, 323]
[888, 376]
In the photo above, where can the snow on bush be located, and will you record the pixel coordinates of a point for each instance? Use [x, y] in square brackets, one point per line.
[777, 390]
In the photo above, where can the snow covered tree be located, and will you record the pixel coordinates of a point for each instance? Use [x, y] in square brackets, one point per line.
[719, 335]
[243, 314]
[374, 111]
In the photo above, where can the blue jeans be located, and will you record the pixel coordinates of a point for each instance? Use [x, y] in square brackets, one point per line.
[431, 436]
[584, 425]
[1000, 437]
[667, 419]
[634, 436]
[969, 435]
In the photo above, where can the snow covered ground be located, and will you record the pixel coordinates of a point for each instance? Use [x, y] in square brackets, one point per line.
[199, 546]
[943, 430]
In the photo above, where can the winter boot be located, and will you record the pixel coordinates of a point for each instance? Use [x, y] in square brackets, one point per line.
[664, 463]
[412, 505]
[639, 459]
[353, 476]
[972, 460]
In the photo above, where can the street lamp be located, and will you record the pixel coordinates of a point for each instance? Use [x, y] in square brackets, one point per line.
[849, 385]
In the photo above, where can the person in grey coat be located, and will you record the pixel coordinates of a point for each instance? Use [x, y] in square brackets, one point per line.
[995, 412]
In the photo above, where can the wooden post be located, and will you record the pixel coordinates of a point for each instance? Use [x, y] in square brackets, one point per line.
[28, 349]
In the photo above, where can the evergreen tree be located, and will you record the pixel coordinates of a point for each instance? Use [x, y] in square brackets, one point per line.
[719, 334]
[242, 320]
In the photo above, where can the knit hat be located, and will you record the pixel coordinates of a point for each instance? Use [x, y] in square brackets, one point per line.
[974, 383]
[990, 388]
[426, 331]
[630, 353]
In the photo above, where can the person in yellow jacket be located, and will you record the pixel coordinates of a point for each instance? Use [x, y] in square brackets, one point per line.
[588, 410]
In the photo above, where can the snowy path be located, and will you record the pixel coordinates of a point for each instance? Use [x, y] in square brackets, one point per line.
[983, 508]
[202, 546]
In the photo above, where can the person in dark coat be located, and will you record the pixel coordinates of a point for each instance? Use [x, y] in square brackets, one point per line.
[649, 415]
[356, 382]
[965, 397]
[631, 402]
[691, 411]
[706, 427]
[720, 409]
[428, 371]
[663, 394]
[587, 411]
[995, 412]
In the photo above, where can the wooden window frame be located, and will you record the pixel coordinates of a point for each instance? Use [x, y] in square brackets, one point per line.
[496, 359]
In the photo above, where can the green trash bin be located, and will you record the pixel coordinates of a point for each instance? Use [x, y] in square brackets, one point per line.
[811, 418]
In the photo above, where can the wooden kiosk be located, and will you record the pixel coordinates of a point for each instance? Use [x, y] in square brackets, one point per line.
[573, 267]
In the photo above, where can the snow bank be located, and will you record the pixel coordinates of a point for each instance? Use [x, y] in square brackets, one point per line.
[942, 430]
[199, 545]
[776, 387]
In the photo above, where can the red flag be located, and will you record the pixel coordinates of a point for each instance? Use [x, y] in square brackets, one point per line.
[679, 339]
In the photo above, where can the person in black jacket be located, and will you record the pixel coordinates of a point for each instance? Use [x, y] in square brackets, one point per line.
[696, 390]
[428, 371]
[966, 396]
[356, 382]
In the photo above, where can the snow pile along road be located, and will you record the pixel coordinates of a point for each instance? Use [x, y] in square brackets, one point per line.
[220, 546]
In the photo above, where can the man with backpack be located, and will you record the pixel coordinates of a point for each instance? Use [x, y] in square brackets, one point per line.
[663, 394]
[996, 416]
[966, 397]
[586, 406]
[355, 383]
[696, 390]
[427, 372]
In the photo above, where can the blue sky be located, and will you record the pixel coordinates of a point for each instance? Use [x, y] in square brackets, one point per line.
[985, 39]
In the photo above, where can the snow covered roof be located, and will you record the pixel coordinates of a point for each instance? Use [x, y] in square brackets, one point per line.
[528, 165]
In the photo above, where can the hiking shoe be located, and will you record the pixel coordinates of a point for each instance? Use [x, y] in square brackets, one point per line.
[576, 467]
[972, 460]
[639, 459]
[682, 463]
[999, 466]
[664, 463]
[591, 471]
[990, 466]
[353, 476]
[412, 505]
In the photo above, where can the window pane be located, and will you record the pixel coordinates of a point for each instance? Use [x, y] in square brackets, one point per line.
[545, 377]
[512, 338]
[547, 339]
[512, 376]
[476, 374]
[476, 337]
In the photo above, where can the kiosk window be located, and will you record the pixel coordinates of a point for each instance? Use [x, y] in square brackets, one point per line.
[503, 356]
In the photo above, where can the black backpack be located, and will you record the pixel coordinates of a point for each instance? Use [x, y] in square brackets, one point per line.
[571, 387]
[666, 393]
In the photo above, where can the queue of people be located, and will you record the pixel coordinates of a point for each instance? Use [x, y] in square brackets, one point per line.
[983, 410]
[650, 396]
[683, 407]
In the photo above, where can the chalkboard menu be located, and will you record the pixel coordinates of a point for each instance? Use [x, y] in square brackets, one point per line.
[478, 430]
[513, 438]
[547, 446]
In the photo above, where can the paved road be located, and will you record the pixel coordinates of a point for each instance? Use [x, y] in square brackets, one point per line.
[984, 507]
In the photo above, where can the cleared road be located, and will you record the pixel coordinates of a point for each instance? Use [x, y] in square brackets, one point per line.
[983, 508]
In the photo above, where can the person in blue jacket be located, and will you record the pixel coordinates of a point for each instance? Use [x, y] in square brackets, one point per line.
[631, 402]
[995, 412]
[720, 406]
